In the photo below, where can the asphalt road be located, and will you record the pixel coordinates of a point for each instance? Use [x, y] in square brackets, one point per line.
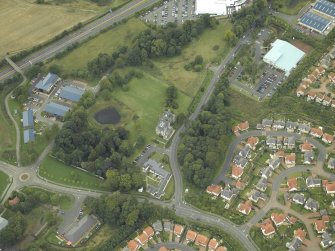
[78, 36]
[170, 245]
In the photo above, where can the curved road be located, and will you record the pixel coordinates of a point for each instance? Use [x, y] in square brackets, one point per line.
[170, 245]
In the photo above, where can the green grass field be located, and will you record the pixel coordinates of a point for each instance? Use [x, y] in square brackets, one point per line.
[4, 180]
[146, 99]
[56, 171]
[107, 42]
[172, 69]
[290, 7]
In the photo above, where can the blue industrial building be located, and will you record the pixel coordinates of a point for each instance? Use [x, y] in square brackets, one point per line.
[325, 7]
[47, 83]
[71, 93]
[56, 109]
[28, 118]
[314, 22]
[28, 135]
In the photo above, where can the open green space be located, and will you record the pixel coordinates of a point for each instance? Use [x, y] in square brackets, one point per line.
[289, 7]
[145, 98]
[4, 180]
[172, 69]
[107, 42]
[58, 172]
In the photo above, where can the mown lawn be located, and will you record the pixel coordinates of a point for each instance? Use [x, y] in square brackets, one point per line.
[172, 69]
[107, 42]
[290, 7]
[4, 180]
[57, 171]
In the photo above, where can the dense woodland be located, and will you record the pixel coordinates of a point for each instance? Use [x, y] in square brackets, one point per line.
[97, 151]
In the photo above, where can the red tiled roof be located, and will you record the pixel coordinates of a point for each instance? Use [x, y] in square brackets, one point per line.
[306, 146]
[312, 94]
[14, 201]
[292, 219]
[327, 137]
[316, 131]
[221, 249]
[142, 238]
[149, 231]
[330, 187]
[320, 69]
[278, 218]
[236, 171]
[267, 227]
[319, 225]
[133, 245]
[292, 183]
[201, 240]
[235, 129]
[213, 244]
[239, 184]
[325, 218]
[245, 207]
[178, 229]
[214, 189]
[280, 154]
[191, 235]
[252, 141]
[299, 233]
[301, 89]
[243, 126]
[290, 158]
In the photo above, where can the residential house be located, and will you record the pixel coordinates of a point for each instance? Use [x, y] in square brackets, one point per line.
[142, 239]
[316, 132]
[326, 241]
[274, 163]
[158, 227]
[305, 84]
[294, 245]
[266, 172]
[228, 194]
[240, 161]
[267, 228]
[235, 130]
[329, 187]
[300, 234]
[201, 240]
[311, 96]
[289, 142]
[320, 70]
[178, 230]
[14, 201]
[212, 244]
[333, 103]
[221, 249]
[271, 142]
[326, 61]
[327, 101]
[278, 219]
[331, 77]
[245, 208]
[164, 127]
[259, 127]
[292, 184]
[312, 205]
[245, 152]
[299, 198]
[191, 235]
[290, 160]
[300, 91]
[310, 78]
[331, 163]
[149, 232]
[236, 172]
[308, 157]
[304, 128]
[168, 226]
[327, 138]
[252, 142]
[320, 97]
[262, 184]
[278, 124]
[291, 126]
[243, 126]
[320, 226]
[280, 142]
[214, 190]
[306, 146]
[279, 154]
[133, 245]
[267, 123]
[312, 182]
[239, 185]
[256, 195]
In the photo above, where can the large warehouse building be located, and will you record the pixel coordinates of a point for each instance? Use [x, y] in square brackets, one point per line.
[218, 7]
[283, 56]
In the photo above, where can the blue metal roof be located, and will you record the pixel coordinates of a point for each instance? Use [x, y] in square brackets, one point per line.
[46, 83]
[71, 93]
[325, 7]
[28, 135]
[28, 118]
[56, 109]
[314, 21]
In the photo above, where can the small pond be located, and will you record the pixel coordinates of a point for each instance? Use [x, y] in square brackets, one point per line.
[107, 116]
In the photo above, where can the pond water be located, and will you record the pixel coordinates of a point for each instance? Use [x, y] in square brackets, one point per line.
[107, 116]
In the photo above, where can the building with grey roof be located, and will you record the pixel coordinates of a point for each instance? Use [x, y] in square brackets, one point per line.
[262, 184]
[278, 124]
[267, 172]
[245, 152]
[168, 226]
[274, 163]
[71, 93]
[326, 240]
[28, 118]
[157, 226]
[331, 163]
[271, 142]
[304, 128]
[312, 182]
[56, 109]
[312, 205]
[80, 229]
[47, 83]
[229, 193]
[164, 127]
[299, 198]
[3, 223]
[267, 123]
[155, 168]
[28, 135]
[294, 245]
[291, 126]
[256, 195]
[240, 161]
[308, 157]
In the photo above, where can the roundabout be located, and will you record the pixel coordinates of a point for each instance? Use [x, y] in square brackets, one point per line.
[24, 177]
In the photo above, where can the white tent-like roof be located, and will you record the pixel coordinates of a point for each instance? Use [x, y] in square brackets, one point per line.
[216, 7]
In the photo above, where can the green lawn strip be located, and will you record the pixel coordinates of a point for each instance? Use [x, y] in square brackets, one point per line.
[107, 42]
[4, 181]
[58, 172]
[290, 7]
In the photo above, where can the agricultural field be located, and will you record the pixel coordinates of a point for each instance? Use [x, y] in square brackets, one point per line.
[107, 42]
[32, 24]
[210, 45]
[144, 97]
[58, 172]
[289, 7]
[4, 180]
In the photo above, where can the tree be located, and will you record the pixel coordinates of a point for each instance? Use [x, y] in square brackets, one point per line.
[230, 37]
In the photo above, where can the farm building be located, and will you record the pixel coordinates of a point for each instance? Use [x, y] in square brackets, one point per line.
[47, 84]
[71, 93]
[283, 56]
[218, 7]
[56, 109]
[3, 223]
[80, 229]
[28, 118]
[28, 136]
[314, 22]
